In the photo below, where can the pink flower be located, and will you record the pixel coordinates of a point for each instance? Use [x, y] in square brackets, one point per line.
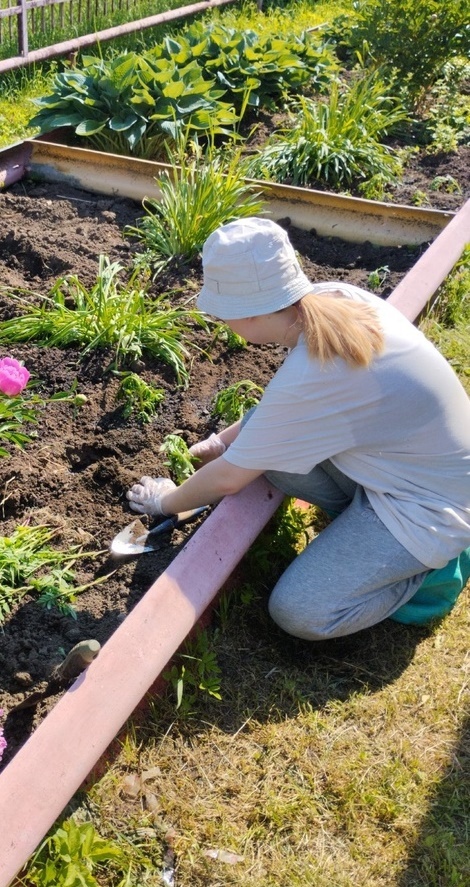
[3, 742]
[13, 376]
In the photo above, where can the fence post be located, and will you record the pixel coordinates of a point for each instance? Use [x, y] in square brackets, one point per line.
[23, 30]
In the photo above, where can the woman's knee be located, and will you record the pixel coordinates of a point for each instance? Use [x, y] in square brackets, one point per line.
[289, 615]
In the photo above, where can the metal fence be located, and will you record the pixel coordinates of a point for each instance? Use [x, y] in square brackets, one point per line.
[45, 16]
[18, 21]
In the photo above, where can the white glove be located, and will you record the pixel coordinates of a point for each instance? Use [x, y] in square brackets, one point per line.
[145, 497]
[209, 449]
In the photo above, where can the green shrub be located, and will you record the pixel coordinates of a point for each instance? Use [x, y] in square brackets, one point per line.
[446, 117]
[414, 39]
[336, 141]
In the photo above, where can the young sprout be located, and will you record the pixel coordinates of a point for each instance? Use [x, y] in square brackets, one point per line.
[377, 278]
[179, 460]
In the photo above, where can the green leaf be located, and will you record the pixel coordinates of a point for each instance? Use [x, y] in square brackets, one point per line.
[90, 127]
[121, 122]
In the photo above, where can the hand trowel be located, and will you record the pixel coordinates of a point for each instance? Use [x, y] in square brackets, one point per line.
[137, 538]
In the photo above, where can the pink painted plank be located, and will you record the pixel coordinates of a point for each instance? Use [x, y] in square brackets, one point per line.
[52, 765]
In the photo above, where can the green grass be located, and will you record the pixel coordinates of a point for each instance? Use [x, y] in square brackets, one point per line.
[102, 16]
[17, 91]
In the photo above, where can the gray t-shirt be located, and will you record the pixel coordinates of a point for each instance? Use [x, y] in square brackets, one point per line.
[400, 428]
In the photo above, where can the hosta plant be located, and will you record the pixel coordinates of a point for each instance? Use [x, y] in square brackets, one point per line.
[233, 402]
[114, 313]
[207, 190]
[336, 141]
[132, 104]
[254, 68]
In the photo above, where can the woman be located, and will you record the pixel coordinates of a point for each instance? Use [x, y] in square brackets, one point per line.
[364, 418]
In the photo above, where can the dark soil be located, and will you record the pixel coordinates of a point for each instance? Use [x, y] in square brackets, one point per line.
[74, 474]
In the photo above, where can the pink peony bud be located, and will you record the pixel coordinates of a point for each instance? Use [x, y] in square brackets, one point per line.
[13, 376]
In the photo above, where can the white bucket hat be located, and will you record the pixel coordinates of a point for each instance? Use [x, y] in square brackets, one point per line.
[250, 268]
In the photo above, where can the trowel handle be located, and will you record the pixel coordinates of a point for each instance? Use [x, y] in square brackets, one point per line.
[176, 520]
[166, 526]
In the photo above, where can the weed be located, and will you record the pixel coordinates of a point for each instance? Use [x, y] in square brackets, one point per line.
[375, 187]
[233, 341]
[285, 536]
[139, 397]
[73, 855]
[199, 673]
[419, 198]
[452, 303]
[233, 402]
[178, 456]
[445, 183]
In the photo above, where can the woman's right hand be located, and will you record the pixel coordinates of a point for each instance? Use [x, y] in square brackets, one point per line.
[206, 450]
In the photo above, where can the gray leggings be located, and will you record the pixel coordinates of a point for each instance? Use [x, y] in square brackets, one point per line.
[353, 574]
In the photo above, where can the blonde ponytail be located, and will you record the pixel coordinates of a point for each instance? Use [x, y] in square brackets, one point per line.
[335, 326]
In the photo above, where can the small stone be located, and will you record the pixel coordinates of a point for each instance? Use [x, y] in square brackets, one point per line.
[23, 678]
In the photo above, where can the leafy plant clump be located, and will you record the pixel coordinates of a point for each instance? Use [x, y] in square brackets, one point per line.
[254, 67]
[203, 191]
[196, 672]
[233, 402]
[202, 81]
[74, 855]
[179, 459]
[139, 397]
[338, 141]
[133, 103]
[112, 314]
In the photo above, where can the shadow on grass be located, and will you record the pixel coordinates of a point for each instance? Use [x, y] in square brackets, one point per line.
[441, 854]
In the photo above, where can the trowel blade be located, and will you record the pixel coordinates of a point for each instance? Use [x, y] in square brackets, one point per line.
[134, 539]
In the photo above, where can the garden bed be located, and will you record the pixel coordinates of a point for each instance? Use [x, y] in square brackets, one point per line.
[74, 474]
